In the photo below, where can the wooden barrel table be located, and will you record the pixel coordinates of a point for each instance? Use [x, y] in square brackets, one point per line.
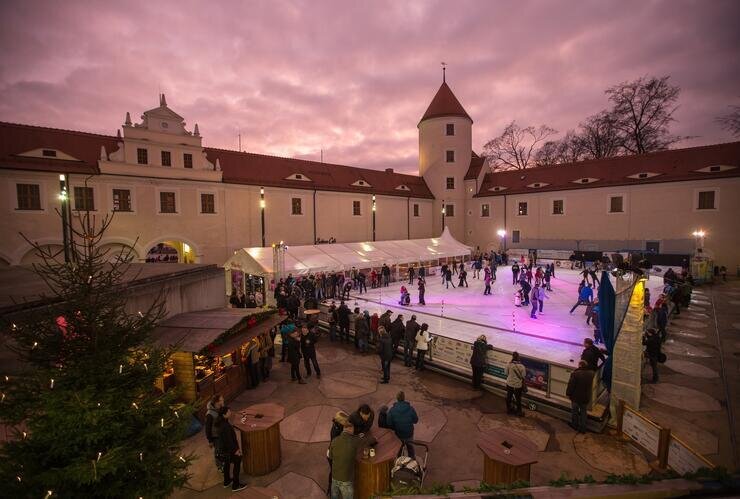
[260, 430]
[507, 456]
[373, 474]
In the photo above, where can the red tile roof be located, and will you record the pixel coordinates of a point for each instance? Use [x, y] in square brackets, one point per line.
[444, 103]
[672, 165]
[263, 170]
[476, 163]
[238, 168]
[16, 139]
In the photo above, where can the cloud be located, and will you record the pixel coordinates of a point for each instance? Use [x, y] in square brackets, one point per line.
[353, 78]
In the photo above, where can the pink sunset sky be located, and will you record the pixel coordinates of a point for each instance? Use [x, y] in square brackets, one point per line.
[354, 77]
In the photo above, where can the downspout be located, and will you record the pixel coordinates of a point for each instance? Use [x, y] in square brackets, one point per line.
[408, 217]
[314, 216]
[505, 227]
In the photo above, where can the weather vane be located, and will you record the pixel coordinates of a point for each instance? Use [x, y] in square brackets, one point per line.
[444, 68]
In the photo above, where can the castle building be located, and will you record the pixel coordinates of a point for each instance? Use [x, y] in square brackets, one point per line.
[175, 200]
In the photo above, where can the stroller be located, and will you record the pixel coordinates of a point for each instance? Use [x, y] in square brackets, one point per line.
[405, 297]
[409, 472]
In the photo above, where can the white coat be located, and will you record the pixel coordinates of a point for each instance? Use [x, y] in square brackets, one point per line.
[422, 340]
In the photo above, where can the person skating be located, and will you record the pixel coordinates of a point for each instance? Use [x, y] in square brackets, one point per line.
[361, 282]
[343, 455]
[579, 393]
[412, 273]
[463, 277]
[422, 290]
[385, 352]
[308, 349]
[454, 267]
[534, 299]
[409, 340]
[386, 272]
[448, 279]
[294, 357]
[653, 351]
[541, 297]
[592, 354]
[422, 346]
[479, 360]
[487, 281]
[229, 449]
[514, 273]
[526, 290]
[402, 417]
[585, 296]
[516, 374]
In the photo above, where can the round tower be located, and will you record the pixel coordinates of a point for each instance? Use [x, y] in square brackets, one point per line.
[445, 148]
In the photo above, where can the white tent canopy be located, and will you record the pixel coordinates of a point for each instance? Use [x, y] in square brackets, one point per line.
[301, 260]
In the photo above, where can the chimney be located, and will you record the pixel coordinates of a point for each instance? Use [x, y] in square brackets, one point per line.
[389, 170]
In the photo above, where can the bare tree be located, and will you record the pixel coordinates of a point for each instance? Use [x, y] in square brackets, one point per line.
[598, 136]
[643, 110]
[515, 148]
[569, 149]
[731, 121]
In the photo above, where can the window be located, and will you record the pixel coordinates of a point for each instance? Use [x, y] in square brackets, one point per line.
[450, 182]
[166, 158]
[296, 206]
[207, 203]
[450, 156]
[187, 160]
[485, 210]
[522, 209]
[29, 196]
[356, 208]
[449, 210]
[121, 200]
[558, 207]
[706, 200]
[167, 202]
[84, 199]
[515, 236]
[49, 153]
[416, 209]
[616, 204]
[142, 156]
[450, 129]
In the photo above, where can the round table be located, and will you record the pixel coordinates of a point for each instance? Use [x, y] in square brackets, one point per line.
[507, 456]
[260, 431]
[373, 474]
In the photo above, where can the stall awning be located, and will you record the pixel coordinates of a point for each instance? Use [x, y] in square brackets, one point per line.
[302, 260]
[193, 331]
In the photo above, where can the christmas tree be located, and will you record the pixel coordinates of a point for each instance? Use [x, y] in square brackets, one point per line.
[87, 419]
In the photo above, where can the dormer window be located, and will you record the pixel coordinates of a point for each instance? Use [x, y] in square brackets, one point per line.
[537, 185]
[715, 169]
[585, 180]
[643, 175]
[361, 183]
[298, 176]
[403, 187]
[165, 124]
[49, 153]
[497, 188]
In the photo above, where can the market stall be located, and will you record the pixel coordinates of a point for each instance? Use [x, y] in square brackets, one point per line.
[257, 263]
[212, 350]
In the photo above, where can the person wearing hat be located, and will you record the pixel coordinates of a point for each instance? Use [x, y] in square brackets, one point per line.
[478, 360]
[409, 340]
[422, 345]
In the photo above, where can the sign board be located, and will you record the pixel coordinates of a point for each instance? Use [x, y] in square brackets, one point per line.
[455, 352]
[641, 431]
[684, 460]
[537, 373]
[496, 363]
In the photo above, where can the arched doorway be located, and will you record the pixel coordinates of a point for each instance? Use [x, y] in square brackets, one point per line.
[32, 255]
[170, 252]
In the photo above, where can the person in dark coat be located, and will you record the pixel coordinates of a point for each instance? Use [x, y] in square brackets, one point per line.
[229, 449]
[308, 349]
[448, 279]
[463, 281]
[385, 321]
[661, 320]
[422, 289]
[213, 407]
[412, 273]
[338, 423]
[526, 289]
[294, 357]
[592, 354]
[292, 306]
[514, 273]
[402, 418]
[478, 360]
[362, 419]
[397, 331]
[579, 393]
[534, 297]
[385, 351]
[653, 351]
[409, 340]
[343, 314]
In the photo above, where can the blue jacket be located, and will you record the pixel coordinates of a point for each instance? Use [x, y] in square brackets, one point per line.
[402, 418]
[586, 294]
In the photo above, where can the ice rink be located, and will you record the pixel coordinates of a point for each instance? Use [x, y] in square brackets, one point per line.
[555, 335]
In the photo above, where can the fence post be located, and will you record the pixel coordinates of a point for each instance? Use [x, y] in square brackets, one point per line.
[663, 446]
[620, 417]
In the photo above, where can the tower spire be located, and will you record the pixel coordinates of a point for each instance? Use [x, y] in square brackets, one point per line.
[444, 69]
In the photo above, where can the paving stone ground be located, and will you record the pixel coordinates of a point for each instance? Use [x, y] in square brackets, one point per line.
[689, 399]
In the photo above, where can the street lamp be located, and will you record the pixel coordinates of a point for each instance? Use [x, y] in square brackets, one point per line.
[699, 236]
[444, 212]
[502, 234]
[64, 200]
[262, 213]
[373, 217]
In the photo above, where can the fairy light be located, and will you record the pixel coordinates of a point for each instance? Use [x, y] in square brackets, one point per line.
[25, 435]
[89, 279]
[7, 378]
[35, 344]
[183, 459]
[161, 422]
[177, 415]
[3, 398]
[100, 454]
[120, 369]
[98, 404]
[141, 456]
[14, 327]
[134, 404]
[140, 314]
[146, 368]
[52, 383]
[49, 493]
[18, 477]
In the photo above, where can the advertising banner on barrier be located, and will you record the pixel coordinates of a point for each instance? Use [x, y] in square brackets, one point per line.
[537, 373]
